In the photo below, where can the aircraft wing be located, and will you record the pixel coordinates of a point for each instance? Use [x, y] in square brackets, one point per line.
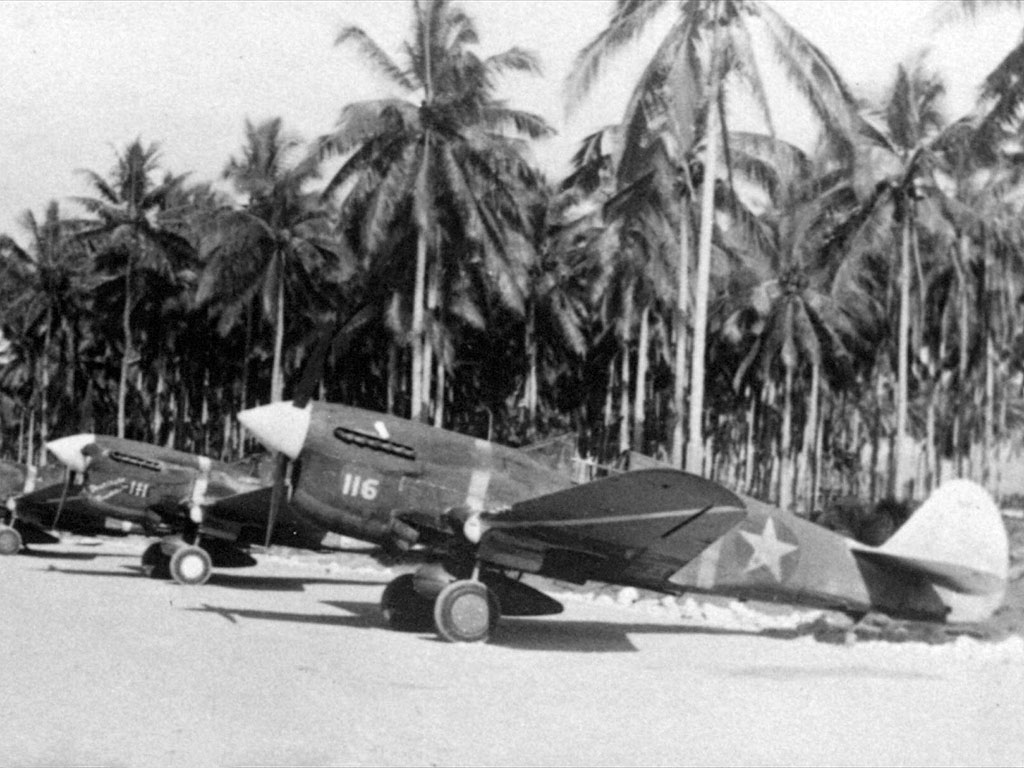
[39, 508]
[247, 508]
[635, 528]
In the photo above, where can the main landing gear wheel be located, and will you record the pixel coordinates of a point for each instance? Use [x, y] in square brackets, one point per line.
[10, 541]
[404, 608]
[155, 564]
[191, 566]
[466, 612]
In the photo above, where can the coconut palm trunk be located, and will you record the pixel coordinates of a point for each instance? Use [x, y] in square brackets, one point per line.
[786, 444]
[277, 370]
[749, 450]
[624, 382]
[640, 390]
[393, 382]
[900, 484]
[679, 318]
[530, 395]
[416, 407]
[432, 301]
[958, 416]
[126, 331]
[439, 394]
[989, 414]
[44, 380]
[695, 445]
[805, 473]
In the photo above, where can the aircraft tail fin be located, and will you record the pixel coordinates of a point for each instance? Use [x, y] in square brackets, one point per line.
[956, 539]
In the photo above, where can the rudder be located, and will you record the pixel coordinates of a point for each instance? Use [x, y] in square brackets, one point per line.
[958, 532]
[958, 523]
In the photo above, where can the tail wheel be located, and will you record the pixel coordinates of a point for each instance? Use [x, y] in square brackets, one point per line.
[155, 564]
[191, 566]
[10, 541]
[404, 608]
[466, 612]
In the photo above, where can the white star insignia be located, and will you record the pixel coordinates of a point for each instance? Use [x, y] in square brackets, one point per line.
[768, 550]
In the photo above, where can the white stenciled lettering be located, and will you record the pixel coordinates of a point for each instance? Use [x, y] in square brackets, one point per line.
[138, 488]
[362, 487]
[369, 489]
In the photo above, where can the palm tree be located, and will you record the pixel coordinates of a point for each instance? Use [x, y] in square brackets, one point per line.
[274, 246]
[126, 225]
[557, 300]
[48, 282]
[896, 180]
[794, 312]
[437, 167]
[706, 53]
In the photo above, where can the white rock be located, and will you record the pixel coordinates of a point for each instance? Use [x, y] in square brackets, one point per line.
[627, 596]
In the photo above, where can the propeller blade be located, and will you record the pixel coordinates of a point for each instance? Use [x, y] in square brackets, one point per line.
[63, 496]
[331, 336]
[283, 426]
[276, 495]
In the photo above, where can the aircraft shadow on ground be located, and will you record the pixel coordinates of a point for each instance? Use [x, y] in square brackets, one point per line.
[358, 619]
[223, 580]
[252, 581]
[555, 634]
[541, 634]
[53, 555]
[91, 572]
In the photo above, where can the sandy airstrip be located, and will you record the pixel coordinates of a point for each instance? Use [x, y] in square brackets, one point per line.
[289, 664]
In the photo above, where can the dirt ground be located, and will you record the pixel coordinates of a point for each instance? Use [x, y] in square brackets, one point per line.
[288, 664]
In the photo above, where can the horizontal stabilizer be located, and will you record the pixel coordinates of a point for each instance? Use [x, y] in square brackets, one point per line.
[959, 578]
[956, 539]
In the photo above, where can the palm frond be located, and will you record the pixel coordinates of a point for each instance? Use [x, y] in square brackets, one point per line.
[629, 20]
[376, 56]
[513, 60]
[745, 64]
[497, 115]
[813, 76]
[392, 193]
[365, 120]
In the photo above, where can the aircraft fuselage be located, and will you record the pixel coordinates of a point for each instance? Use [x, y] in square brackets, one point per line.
[361, 469]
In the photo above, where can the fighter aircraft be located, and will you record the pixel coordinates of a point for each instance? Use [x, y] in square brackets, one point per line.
[490, 514]
[44, 502]
[207, 513]
[20, 480]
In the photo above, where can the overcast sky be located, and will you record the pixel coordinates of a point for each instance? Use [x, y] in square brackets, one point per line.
[79, 79]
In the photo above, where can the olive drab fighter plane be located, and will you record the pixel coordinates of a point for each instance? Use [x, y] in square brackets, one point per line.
[207, 513]
[46, 486]
[490, 513]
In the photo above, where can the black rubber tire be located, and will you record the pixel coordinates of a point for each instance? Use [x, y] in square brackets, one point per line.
[466, 612]
[155, 564]
[191, 566]
[404, 608]
[10, 541]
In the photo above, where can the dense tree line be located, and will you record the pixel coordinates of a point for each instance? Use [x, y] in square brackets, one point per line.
[797, 324]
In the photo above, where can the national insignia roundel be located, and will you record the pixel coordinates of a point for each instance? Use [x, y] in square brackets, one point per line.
[767, 547]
